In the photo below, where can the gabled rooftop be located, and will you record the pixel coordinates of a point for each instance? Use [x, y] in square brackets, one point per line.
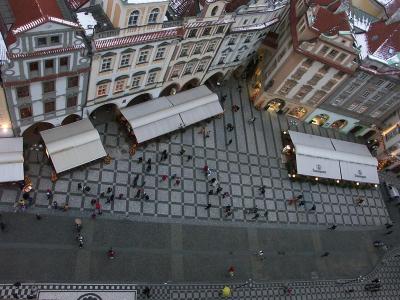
[76, 4]
[326, 22]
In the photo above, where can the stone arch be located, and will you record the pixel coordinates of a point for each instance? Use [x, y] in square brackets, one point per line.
[172, 89]
[369, 134]
[320, 119]
[31, 134]
[105, 113]
[339, 124]
[275, 105]
[71, 119]
[214, 80]
[140, 99]
[192, 83]
[355, 129]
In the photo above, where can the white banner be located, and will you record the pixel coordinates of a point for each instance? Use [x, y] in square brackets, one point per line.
[87, 295]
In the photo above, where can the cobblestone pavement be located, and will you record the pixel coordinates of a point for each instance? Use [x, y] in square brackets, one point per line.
[388, 271]
[252, 160]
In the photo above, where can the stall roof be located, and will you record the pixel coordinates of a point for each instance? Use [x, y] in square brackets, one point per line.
[73, 145]
[11, 159]
[317, 166]
[299, 138]
[166, 114]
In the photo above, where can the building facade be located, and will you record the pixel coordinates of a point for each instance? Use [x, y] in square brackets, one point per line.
[45, 78]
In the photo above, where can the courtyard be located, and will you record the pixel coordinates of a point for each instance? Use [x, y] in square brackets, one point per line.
[252, 159]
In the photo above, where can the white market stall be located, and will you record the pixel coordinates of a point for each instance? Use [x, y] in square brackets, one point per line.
[335, 159]
[163, 115]
[11, 159]
[73, 145]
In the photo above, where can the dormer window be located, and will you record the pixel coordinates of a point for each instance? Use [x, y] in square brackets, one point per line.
[154, 15]
[214, 11]
[133, 18]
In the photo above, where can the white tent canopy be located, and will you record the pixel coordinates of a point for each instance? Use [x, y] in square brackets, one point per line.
[73, 145]
[166, 114]
[11, 159]
[337, 159]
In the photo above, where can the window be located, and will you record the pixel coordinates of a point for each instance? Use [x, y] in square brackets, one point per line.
[25, 112]
[201, 66]
[48, 64]
[133, 18]
[254, 20]
[324, 69]
[376, 114]
[339, 74]
[49, 107]
[143, 56]
[192, 33]
[220, 29]
[119, 85]
[245, 22]
[106, 64]
[189, 68]
[211, 46]
[248, 38]
[64, 62]
[341, 57]
[136, 81]
[316, 98]
[304, 90]
[160, 53]
[232, 41]
[175, 72]
[214, 11]
[222, 60]
[299, 73]
[237, 58]
[152, 77]
[329, 85]
[72, 82]
[34, 66]
[72, 100]
[308, 62]
[379, 82]
[55, 39]
[353, 106]
[23, 91]
[365, 94]
[324, 50]
[314, 80]
[184, 51]
[361, 109]
[154, 15]
[333, 54]
[42, 41]
[48, 86]
[198, 48]
[207, 31]
[390, 85]
[102, 89]
[125, 59]
[288, 86]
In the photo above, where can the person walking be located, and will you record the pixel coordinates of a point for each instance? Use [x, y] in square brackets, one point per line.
[149, 161]
[255, 216]
[262, 190]
[302, 203]
[177, 182]
[146, 292]
[251, 120]
[148, 168]
[229, 142]
[205, 169]
[189, 157]
[98, 207]
[212, 180]
[164, 155]
[173, 176]
[164, 178]
[208, 206]
[140, 160]
[49, 194]
[313, 208]
[388, 225]
[139, 191]
[325, 254]
[219, 189]
[224, 195]
[210, 192]
[389, 232]
[111, 253]
[80, 186]
[229, 127]
[109, 190]
[333, 227]
[182, 151]
[231, 271]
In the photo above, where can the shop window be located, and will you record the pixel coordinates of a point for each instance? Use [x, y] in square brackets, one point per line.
[49, 107]
[48, 86]
[25, 112]
[72, 101]
[23, 91]
[72, 81]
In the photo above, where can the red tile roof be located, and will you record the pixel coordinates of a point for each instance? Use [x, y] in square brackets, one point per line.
[381, 41]
[32, 13]
[76, 4]
[45, 52]
[235, 4]
[110, 43]
[329, 23]
[331, 5]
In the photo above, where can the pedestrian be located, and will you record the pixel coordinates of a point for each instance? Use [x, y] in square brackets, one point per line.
[229, 127]
[313, 208]
[149, 161]
[211, 181]
[262, 190]
[79, 186]
[164, 155]
[140, 160]
[189, 157]
[349, 291]
[227, 208]
[138, 193]
[109, 190]
[226, 194]
[146, 197]
[235, 108]
[120, 196]
[135, 180]
[177, 182]
[293, 201]
[255, 216]
[210, 192]
[229, 142]
[388, 225]
[102, 195]
[148, 168]
[389, 232]
[38, 217]
[2, 226]
[143, 183]
[112, 198]
[219, 189]
[208, 206]
[182, 151]
[49, 194]
[205, 169]
[376, 280]
[251, 120]
[164, 178]
[333, 227]
[173, 176]
[231, 271]
[359, 201]
[54, 204]
[325, 254]
[146, 292]
[302, 203]
[93, 202]
[98, 207]
[207, 135]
